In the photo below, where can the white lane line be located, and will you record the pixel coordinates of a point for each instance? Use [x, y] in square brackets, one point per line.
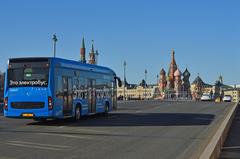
[138, 111]
[34, 146]
[64, 135]
[91, 130]
[38, 144]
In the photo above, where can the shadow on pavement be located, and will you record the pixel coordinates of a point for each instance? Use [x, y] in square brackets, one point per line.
[137, 119]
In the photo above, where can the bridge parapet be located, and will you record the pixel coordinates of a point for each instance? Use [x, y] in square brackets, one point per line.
[213, 149]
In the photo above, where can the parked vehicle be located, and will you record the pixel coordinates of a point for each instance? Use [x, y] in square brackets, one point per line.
[227, 98]
[206, 97]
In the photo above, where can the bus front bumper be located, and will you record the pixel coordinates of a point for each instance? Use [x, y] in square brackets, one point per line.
[28, 114]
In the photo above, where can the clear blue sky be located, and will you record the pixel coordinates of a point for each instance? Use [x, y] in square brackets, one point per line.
[205, 34]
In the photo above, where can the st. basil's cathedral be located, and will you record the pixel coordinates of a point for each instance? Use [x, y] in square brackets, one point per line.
[175, 83]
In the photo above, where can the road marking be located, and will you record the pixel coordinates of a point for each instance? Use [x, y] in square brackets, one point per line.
[91, 130]
[64, 135]
[138, 111]
[37, 145]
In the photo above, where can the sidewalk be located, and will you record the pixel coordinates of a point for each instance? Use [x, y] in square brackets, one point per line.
[231, 147]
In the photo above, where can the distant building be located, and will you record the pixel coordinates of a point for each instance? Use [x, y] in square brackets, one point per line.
[198, 88]
[137, 92]
[234, 93]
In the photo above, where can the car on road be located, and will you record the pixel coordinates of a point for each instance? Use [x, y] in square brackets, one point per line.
[206, 97]
[227, 98]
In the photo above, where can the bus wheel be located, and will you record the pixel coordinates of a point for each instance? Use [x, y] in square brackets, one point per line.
[106, 108]
[77, 113]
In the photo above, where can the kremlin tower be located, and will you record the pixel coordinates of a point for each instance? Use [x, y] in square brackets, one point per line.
[92, 55]
[92, 59]
[83, 52]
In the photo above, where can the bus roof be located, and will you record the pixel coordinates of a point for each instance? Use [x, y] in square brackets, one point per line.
[65, 63]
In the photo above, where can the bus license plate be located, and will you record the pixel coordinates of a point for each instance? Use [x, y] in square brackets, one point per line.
[27, 115]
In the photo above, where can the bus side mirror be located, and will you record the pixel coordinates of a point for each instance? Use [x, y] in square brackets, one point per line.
[119, 81]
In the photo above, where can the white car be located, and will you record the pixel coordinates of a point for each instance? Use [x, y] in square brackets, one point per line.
[206, 97]
[227, 98]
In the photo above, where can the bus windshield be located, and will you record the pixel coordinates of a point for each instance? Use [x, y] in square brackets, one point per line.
[25, 77]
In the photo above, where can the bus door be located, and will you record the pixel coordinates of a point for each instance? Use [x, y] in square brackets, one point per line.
[67, 95]
[91, 96]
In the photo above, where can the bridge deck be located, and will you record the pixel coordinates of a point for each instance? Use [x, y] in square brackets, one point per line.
[148, 129]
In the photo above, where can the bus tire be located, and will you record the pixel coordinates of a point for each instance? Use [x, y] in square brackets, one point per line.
[77, 115]
[106, 108]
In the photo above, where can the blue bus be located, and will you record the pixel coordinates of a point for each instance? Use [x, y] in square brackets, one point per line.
[45, 87]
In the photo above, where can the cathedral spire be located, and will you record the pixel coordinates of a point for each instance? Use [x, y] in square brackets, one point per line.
[173, 57]
[83, 52]
[171, 71]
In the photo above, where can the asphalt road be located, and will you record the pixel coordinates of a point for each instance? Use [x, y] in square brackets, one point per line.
[138, 130]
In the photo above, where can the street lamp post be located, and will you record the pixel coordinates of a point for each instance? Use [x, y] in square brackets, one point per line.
[124, 78]
[157, 84]
[145, 83]
[54, 44]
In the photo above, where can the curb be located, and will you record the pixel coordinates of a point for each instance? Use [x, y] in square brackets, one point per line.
[213, 149]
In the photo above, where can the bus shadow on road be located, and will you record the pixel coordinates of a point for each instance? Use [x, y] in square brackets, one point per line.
[134, 119]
